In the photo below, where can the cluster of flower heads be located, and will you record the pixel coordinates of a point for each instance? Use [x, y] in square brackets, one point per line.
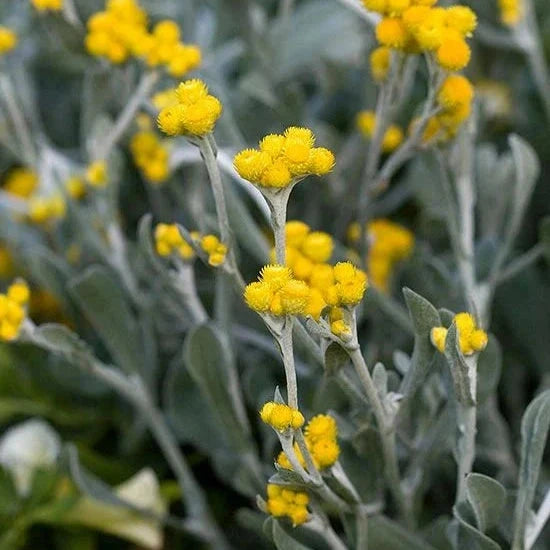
[120, 32]
[415, 26]
[96, 174]
[13, 310]
[46, 209]
[47, 5]
[281, 417]
[321, 435]
[150, 156]
[511, 11]
[393, 137]
[8, 40]
[283, 159]
[284, 502]
[389, 243]
[194, 111]
[21, 182]
[471, 338]
[169, 241]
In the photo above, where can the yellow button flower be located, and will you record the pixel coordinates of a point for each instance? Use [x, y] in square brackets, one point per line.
[471, 338]
[286, 502]
[21, 182]
[8, 40]
[281, 417]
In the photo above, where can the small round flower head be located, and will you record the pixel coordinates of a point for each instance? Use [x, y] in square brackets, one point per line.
[318, 246]
[8, 40]
[21, 182]
[470, 338]
[325, 452]
[321, 276]
[295, 233]
[455, 91]
[316, 304]
[366, 122]
[341, 329]
[215, 249]
[351, 283]
[453, 54]
[251, 164]
[258, 296]
[294, 297]
[272, 144]
[397, 7]
[75, 187]
[511, 11]
[438, 336]
[96, 174]
[378, 6]
[321, 161]
[429, 31]
[392, 138]
[380, 59]
[47, 5]
[276, 276]
[19, 292]
[321, 426]
[461, 19]
[277, 175]
[391, 32]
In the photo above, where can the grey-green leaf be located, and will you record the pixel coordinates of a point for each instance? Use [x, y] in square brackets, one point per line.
[460, 369]
[487, 498]
[534, 433]
[385, 534]
[283, 541]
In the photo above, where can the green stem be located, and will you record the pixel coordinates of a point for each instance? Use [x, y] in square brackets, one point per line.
[387, 433]
[287, 353]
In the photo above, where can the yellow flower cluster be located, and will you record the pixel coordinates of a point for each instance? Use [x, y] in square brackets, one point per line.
[286, 502]
[150, 156]
[366, 122]
[389, 243]
[165, 98]
[321, 440]
[8, 39]
[415, 26]
[168, 241]
[511, 11]
[277, 292]
[21, 182]
[13, 309]
[380, 59]
[121, 31]
[281, 417]
[455, 98]
[75, 187]
[283, 159]
[195, 112]
[96, 174]
[471, 338]
[215, 249]
[43, 209]
[47, 5]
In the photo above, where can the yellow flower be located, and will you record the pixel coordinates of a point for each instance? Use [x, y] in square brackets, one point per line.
[351, 283]
[76, 189]
[19, 292]
[12, 312]
[366, 122]
[392, 138]
[511, 11]
[48, 5]
[150, 156]
[455, 91]
[427, 27]
[286, 502]
[318, 246]
[294, 297]
[461, 19]
[276, 276]
[215, 249]
[8, 40]
[453, 54]
[96, 174]
[21, 182]
[46, 209]
[380, 63]
[325, 452]
[391, 32]
[168, 240]
[165, 98]
[295, 233]
[195, 114]
[282, 159]
[281, 417]
[321, 426]
[471, 339]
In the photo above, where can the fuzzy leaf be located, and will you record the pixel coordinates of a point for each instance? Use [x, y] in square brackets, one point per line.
[534, 433]
[283, 541]
[460, 370]
[487, 498]
[385, 534]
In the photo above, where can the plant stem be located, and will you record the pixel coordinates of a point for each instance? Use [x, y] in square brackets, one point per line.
[466, 421]
[287, 353]
[187, 287]
[540, 520]
[387, 433]
[278, 203]
[21, 129]
[322, 527]
[144, 87]
[518, 265]
[207, 148]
